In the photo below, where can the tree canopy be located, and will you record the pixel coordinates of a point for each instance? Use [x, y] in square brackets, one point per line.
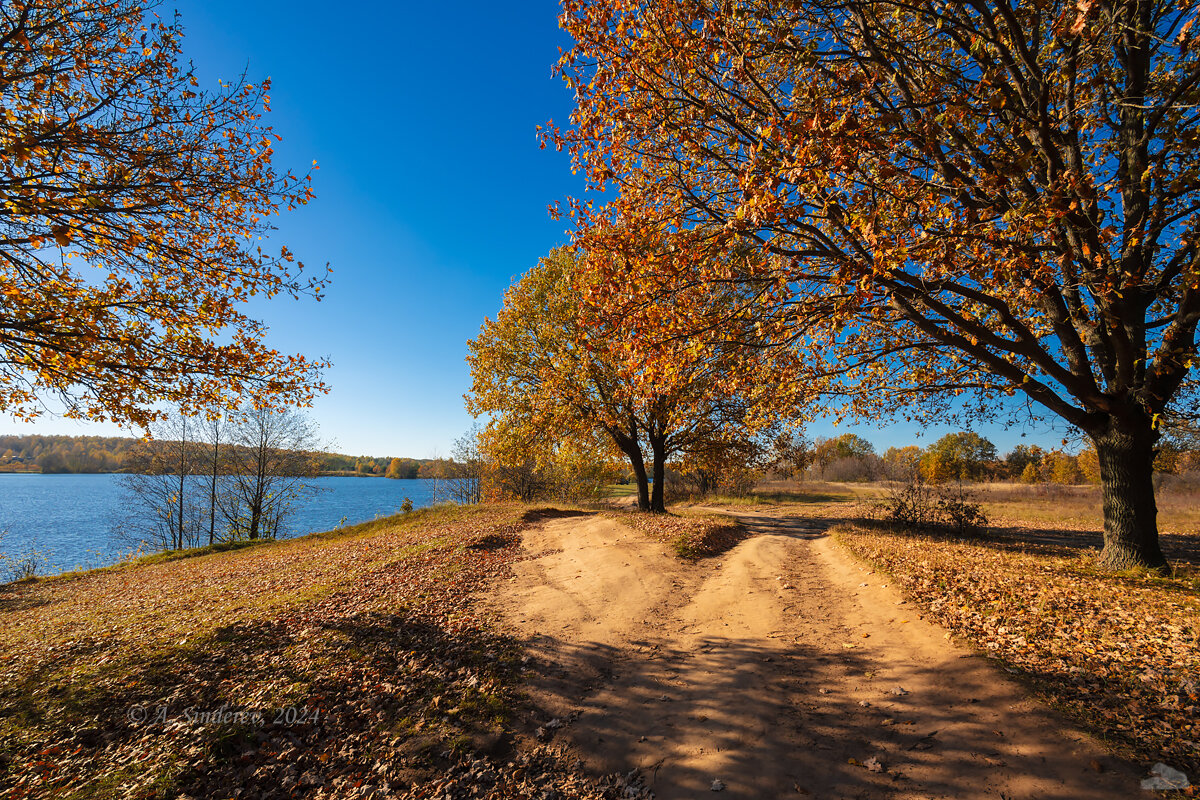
[953, 200]
[134, 206]
[548, 371]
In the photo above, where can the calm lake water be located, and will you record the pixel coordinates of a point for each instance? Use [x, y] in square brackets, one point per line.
[69, 516]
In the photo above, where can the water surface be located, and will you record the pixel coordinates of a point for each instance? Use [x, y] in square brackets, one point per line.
[69, 517]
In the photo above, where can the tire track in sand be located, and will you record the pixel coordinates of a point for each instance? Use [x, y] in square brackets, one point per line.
[776, 669]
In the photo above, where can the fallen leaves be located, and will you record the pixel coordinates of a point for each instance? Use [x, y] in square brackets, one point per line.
[1118, 653]
[690, 537]
[372, 669]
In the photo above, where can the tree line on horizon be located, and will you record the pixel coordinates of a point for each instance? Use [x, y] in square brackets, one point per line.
[967, 456]
[109, 454]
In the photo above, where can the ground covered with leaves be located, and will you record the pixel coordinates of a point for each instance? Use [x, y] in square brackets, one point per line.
[351, 664]
[689, 535]
[1118, 653]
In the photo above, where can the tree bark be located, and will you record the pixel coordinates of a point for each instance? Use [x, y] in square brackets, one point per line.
[628, 442]
[1126, 453]
[639, 474]
[657, 502]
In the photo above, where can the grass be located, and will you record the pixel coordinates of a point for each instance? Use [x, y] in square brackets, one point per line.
[1079, 507]
[369, 625]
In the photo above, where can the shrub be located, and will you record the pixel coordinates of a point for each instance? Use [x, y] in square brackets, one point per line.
[920, 505]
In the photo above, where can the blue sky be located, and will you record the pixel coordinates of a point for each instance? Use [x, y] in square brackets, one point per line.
[431, 195]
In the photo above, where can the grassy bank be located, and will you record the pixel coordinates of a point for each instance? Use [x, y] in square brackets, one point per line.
[341, 660]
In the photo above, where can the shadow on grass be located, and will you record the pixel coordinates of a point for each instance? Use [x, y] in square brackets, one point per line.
[802, 497]
[1048, 541]
[341, 695]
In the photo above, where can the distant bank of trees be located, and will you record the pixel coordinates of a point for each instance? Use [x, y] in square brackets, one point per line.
[967, 456]
[100, 454]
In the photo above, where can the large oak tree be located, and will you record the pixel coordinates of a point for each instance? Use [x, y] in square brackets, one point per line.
[133, 206]
[954, 199]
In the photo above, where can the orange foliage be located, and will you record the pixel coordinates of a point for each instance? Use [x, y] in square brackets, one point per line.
[944, 203]
[133, 205]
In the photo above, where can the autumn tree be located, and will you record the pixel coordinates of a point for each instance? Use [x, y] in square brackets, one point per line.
[964, 201]
[964, 456]
[847, 446]
[1061, 468]
[1018, 460]
[733, 464]
[134, 207]
[571, 468]
[544, 369]
[791, 454]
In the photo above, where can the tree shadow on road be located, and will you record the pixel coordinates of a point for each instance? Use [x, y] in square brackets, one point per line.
[773, 718]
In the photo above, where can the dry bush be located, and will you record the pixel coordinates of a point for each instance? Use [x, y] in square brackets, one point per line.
[947, 508]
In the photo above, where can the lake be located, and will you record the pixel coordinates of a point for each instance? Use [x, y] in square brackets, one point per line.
[69, 516]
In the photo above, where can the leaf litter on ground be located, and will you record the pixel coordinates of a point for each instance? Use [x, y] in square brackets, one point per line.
[1118, 653]
[363, 652]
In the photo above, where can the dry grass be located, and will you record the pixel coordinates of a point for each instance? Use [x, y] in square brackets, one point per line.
[368, 635]
[1078, 507]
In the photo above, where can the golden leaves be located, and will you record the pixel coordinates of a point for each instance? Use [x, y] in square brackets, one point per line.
[117, 166]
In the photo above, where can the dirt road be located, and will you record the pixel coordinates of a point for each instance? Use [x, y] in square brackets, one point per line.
[781, 669]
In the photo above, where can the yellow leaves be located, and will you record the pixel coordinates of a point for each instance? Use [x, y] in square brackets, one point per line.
[98, 184]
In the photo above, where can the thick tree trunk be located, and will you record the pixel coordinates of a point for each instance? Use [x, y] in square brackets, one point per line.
[639, 474]
[1126, 454]
[657, 502]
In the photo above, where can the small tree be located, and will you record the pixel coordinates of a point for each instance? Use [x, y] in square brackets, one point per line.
[272, 460]
[1059, 467]
[902, 463]
[463, 480]
[164, 506]
[845, 457]
[958, 456]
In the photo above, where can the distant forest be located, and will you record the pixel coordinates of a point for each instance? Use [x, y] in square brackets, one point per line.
[94, 454]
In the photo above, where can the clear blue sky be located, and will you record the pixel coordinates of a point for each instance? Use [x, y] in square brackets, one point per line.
[431, 195]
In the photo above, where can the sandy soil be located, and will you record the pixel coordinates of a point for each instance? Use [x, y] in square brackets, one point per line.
[782, 669]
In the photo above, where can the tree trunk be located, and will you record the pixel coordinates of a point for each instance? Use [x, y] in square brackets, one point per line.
[639, 474]
[1126, 454]
[657, 502]
[212, 489]
[628, 442]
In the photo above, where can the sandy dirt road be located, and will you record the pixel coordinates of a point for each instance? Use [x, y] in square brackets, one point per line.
[783, 668]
